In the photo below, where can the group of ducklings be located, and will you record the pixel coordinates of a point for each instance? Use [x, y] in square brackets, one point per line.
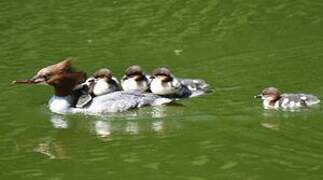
[161, 82]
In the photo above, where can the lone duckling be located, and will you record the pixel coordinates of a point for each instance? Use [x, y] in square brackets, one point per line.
[272, 98]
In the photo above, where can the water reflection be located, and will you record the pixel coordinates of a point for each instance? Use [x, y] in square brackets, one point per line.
[102, 128]
[274, 119]
[52, 149]
[132, 128]
[132, 123]
[58, 121]
[105, 128]
[159, 112]
[157, 126]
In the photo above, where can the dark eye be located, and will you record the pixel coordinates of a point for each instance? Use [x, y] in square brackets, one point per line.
[46, 77]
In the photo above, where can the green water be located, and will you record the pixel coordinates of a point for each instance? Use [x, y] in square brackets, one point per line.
[238, 46]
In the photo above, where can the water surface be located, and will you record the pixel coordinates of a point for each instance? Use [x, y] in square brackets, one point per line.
[237, 46]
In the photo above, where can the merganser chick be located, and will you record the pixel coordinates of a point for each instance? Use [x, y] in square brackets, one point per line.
[273, 99]
[64, 79]
[102, 82]
[135, 79]
[165, 84]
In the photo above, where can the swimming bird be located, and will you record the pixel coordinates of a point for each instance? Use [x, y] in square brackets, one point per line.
[273, 99]
[164, 83]
[135, 79]
[102, 82]
[64, 79]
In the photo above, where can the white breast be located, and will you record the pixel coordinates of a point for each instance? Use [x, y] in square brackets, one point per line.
[267, 104]
[60, 104]
[101, 87]
[130, 84]
[161, 88]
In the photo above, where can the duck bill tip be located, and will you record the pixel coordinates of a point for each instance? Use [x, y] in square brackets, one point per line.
[258, 96]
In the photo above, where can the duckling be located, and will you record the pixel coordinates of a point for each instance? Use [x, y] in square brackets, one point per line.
[102, 82]
[165, 84]
[273, 99]
[134, 79]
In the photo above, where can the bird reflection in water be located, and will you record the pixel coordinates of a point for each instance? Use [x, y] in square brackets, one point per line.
[58, 121]
[132, 122]
[274, 120]
[52, 149]
[102, 128]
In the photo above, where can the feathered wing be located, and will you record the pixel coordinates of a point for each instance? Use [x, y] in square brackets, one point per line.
[193, 87]
[121, 101]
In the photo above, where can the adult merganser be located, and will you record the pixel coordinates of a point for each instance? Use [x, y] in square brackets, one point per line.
[135, 79]
[164, 83]
[64, 79]
[273, 99]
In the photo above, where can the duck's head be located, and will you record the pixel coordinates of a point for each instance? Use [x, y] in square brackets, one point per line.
[134, 72]
[105, 74]
[163, 74]
[61, 76]
[270, 94]
[99, 84]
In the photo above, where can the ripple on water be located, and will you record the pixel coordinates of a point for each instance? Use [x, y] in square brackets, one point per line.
[200, 160]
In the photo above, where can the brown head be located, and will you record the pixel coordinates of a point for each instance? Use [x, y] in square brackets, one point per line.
[162, 73]
[135, 72]
[270, 94]
[103, 74]
[60, 75]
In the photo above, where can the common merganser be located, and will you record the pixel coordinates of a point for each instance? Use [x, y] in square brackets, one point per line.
[102, 82]
[164, 83]
[273, 99]
[105, 83]
[64, 79]
[135, 79]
